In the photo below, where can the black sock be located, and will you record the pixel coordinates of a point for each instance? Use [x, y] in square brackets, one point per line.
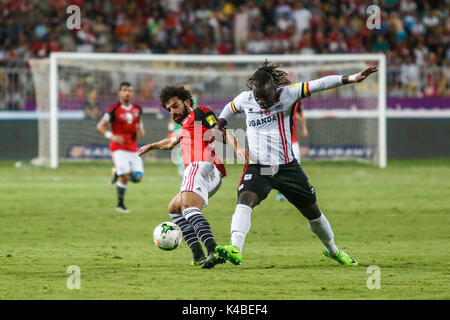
[189, 235]
[120, 195]
[202, 228]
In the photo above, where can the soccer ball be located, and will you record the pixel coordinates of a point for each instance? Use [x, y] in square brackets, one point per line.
[167, 236]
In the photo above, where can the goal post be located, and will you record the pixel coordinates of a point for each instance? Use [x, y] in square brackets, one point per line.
[346, 123]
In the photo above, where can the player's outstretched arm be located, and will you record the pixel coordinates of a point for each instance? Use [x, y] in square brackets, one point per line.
[360, 76]
[165, 144]
[334, 81]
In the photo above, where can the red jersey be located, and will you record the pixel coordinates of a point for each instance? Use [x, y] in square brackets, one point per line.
[124, 122]
[195, 145]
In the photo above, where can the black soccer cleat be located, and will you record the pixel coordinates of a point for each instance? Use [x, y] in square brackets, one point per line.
[211, 260]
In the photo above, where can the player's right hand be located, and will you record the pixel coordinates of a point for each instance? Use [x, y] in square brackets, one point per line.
[143, 150]
[221, 123]
[117, 139]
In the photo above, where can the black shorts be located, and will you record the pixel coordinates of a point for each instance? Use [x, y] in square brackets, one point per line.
[289, 179]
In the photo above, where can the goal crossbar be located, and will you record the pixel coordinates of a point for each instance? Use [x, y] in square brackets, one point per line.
[59, 57]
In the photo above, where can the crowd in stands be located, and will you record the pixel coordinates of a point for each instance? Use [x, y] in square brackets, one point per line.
[414, 34]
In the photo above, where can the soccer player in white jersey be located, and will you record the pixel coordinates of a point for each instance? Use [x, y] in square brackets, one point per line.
[268, 107]
[298, 114]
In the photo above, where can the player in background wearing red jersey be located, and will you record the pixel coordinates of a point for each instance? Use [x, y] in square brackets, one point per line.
[298, 114]
[203, 170]
[124, 118]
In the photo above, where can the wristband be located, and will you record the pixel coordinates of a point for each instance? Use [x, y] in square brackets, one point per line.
[108, 135]
[352, 78]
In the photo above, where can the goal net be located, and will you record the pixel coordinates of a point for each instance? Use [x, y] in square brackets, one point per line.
[74, 89]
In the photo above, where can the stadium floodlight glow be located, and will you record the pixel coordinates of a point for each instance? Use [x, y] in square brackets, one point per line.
[351, 120]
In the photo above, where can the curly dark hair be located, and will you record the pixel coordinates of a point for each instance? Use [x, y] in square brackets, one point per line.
[266, 74]
[175, 91]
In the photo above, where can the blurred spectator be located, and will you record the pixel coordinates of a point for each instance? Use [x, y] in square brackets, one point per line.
[241, 26]
[34, 29]
[302, 17]
[380, 44]
[282, 8]
[409, 76]
[257, 44]
[408, 6]
[420, 51]
[91, 106]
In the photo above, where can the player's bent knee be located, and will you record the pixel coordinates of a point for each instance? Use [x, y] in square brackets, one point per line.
[137, 177]
[191, 199]
[249, 199]
[124, 178]
[175, 205]
[311, 212]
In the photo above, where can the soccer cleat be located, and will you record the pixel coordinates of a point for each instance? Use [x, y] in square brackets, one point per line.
[114, 178]
[122, 209]
[230, 253]
[342, 257]
[211, 260]
[198, 262]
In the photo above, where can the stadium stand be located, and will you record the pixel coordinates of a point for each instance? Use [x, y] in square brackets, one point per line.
[413, 34]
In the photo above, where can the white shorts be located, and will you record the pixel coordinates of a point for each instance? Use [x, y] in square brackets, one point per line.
[203, 178]
[296, 150]
[127, 162]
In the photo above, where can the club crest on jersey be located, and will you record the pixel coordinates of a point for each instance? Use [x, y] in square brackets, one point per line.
[263, 121]
[129, 117]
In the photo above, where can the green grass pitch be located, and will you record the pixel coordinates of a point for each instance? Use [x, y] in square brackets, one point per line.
[396, 219]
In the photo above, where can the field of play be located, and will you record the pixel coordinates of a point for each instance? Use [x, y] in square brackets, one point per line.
[395, 218]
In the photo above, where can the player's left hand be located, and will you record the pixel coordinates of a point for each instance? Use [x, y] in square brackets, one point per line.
[364, 74]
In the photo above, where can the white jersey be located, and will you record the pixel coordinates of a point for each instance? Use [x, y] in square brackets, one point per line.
[269, 131]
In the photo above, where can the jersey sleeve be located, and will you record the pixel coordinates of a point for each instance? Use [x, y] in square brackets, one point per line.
[207, 117]
[109, 115]
[140, 112]
[233, 108]
[298, 90]
[302, 90]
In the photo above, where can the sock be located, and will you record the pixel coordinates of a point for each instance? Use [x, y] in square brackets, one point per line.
[202, 228]
[121, 187]
[321, 227]
[188, 235]
[240, 225]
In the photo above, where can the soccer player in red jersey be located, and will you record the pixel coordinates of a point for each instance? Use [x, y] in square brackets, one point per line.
[124, 118]
[203, 170]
